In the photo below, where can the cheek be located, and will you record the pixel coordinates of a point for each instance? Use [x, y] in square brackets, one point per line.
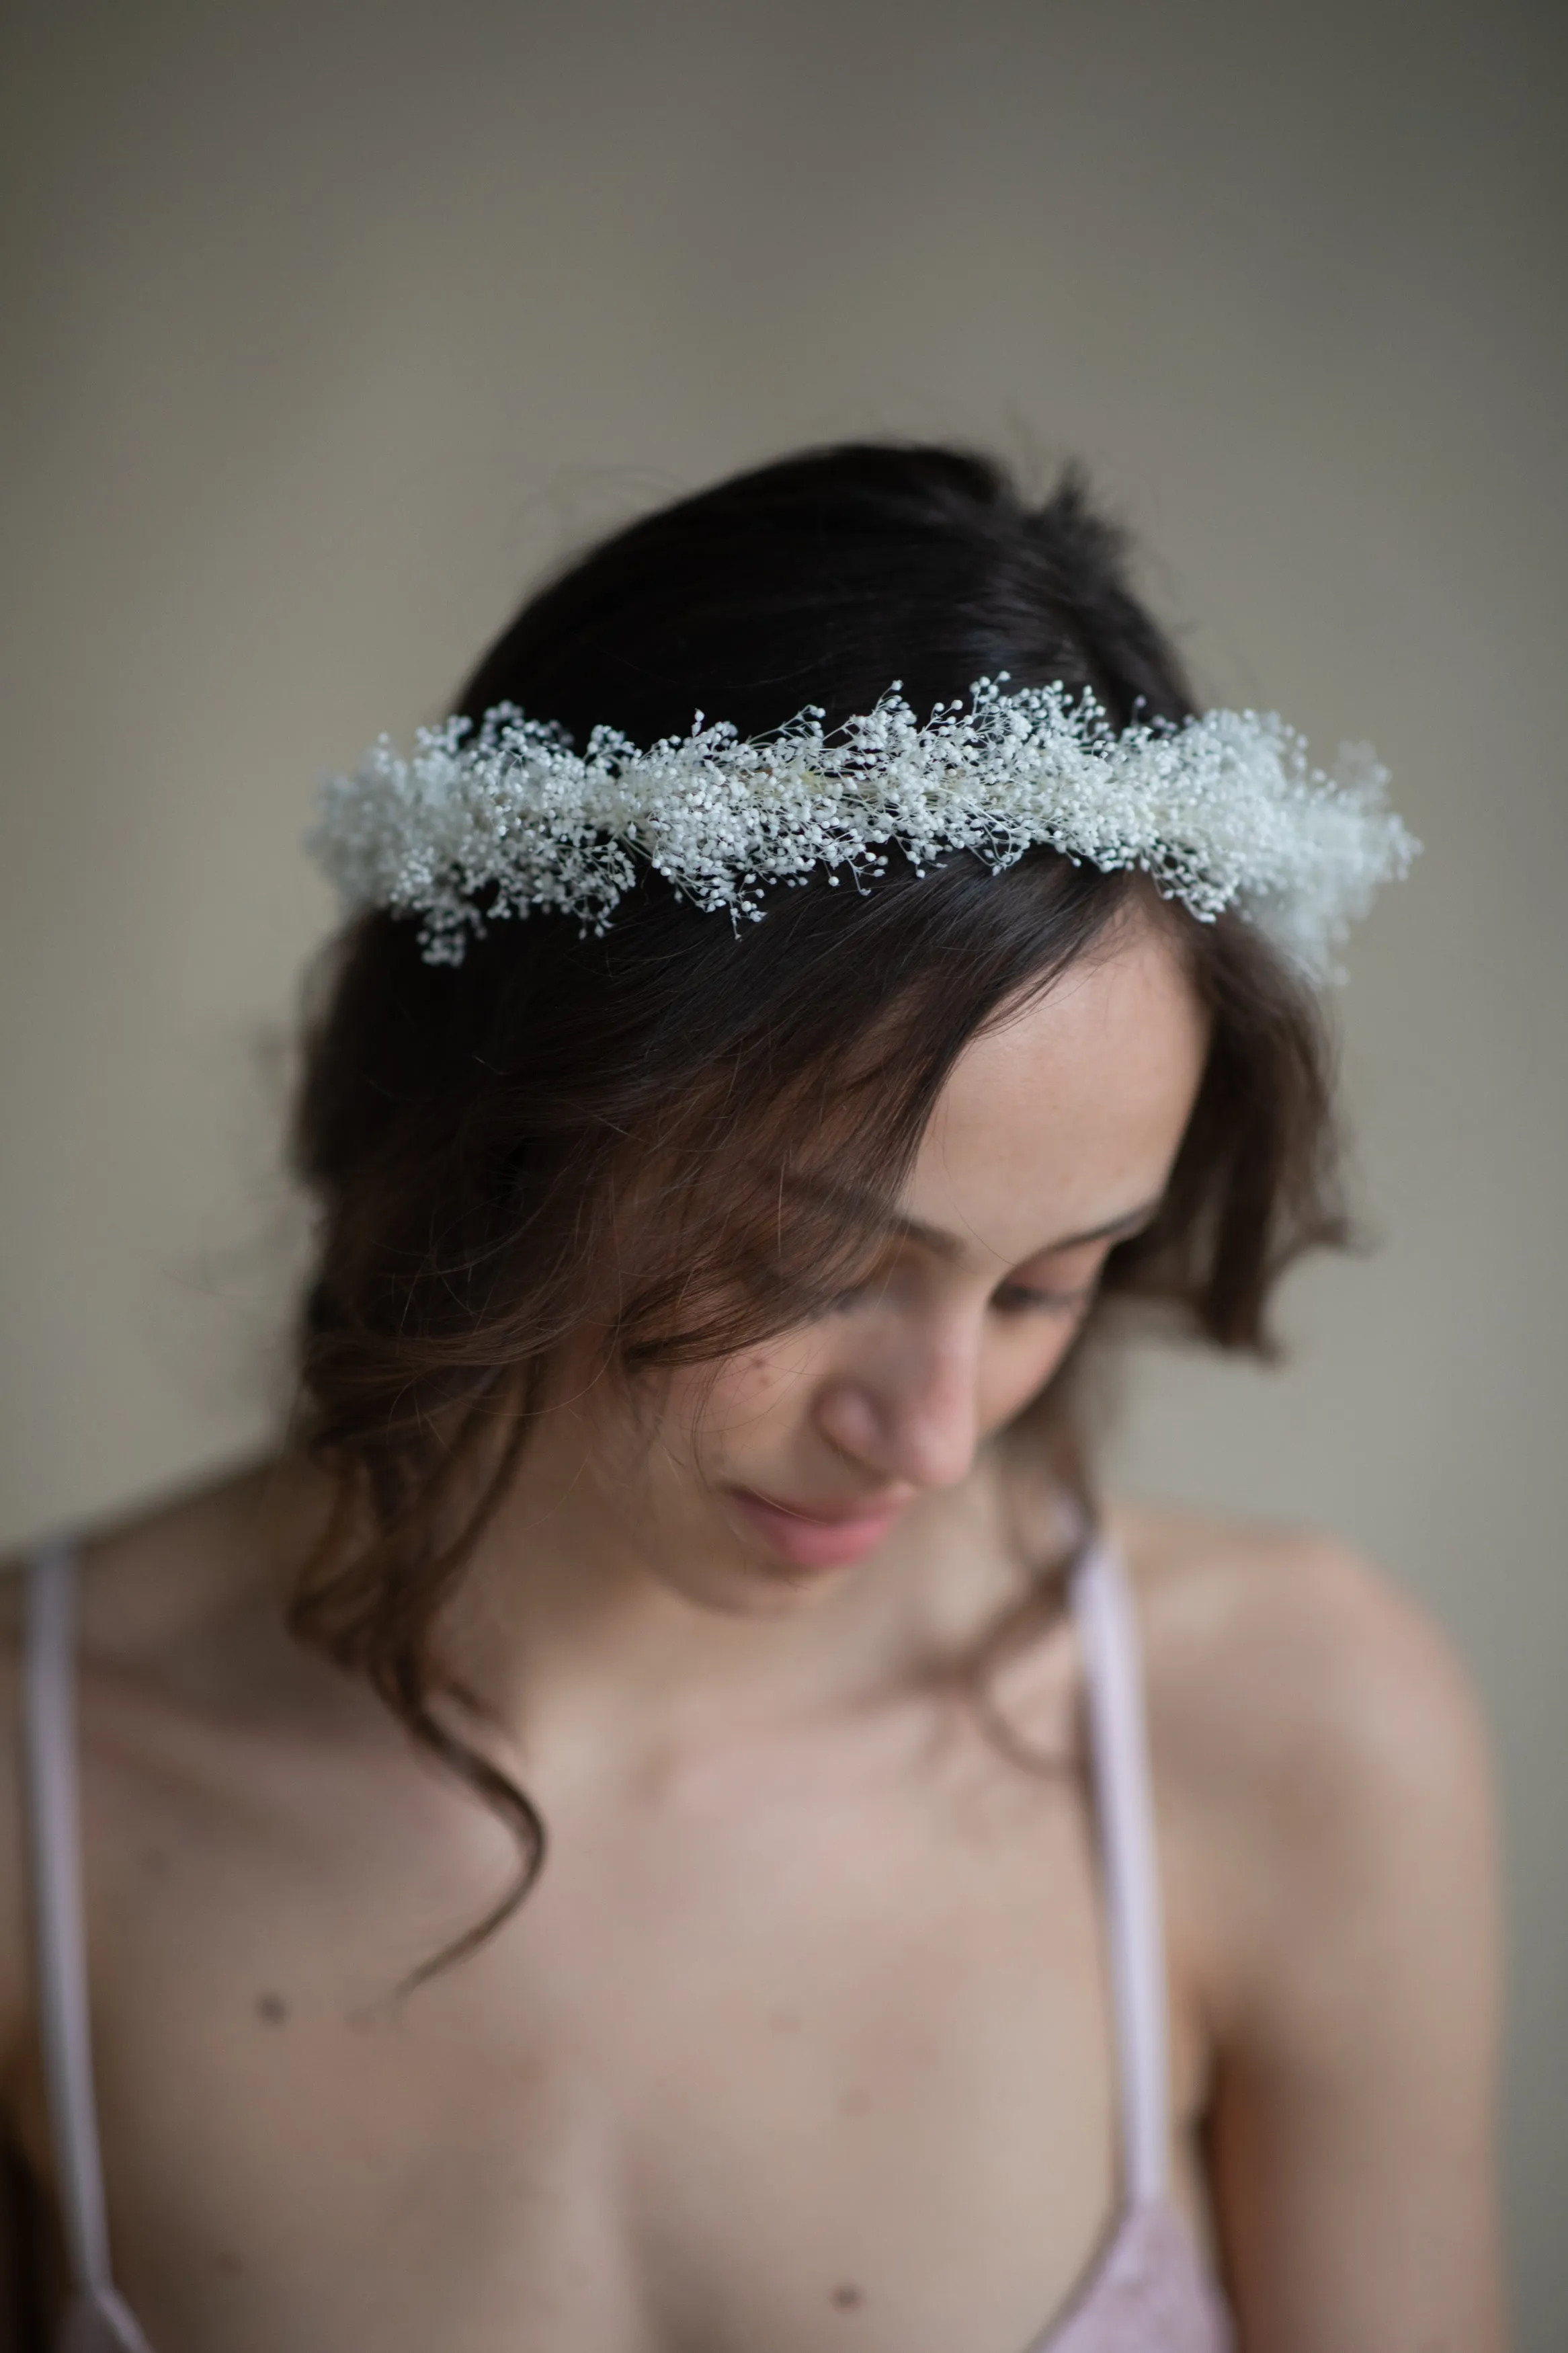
[1017, 1364]
[713, 1410]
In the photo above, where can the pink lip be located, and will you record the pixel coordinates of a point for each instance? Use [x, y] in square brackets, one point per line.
[811, 1539]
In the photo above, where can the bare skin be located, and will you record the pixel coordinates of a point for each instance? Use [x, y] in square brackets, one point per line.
[803, 2037]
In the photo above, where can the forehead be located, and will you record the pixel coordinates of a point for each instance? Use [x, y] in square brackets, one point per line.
[1068, 1113]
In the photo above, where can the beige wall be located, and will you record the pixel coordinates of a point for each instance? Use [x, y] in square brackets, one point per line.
[331, 324]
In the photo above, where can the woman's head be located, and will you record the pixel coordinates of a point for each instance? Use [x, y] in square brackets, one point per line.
[673, 1146]
[751, 1480]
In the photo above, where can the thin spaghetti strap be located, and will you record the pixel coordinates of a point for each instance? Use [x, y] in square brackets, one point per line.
[1102, 1607]
[98, 2316]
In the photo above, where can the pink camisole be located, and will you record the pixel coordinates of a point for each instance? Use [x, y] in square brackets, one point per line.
[1147, 2292]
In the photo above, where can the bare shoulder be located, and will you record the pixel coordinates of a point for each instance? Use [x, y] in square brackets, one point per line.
[1318, 1745]
[168, 1596]
[146, 1577]
[183, 1595]
[1289, 1640]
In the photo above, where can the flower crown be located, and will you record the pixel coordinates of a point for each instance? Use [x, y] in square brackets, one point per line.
[1224, 811]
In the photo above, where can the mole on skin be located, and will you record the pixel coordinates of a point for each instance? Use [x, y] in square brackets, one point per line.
[847, 2298]
[272, 2008]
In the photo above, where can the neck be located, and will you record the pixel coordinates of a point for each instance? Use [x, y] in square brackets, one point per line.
[575, 1635]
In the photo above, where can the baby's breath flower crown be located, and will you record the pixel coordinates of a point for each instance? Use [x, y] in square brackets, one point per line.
[1224, 811]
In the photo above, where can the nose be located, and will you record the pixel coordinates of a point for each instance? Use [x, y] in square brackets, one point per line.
[913, 1415]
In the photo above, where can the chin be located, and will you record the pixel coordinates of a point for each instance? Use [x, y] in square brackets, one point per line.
[748, 1586]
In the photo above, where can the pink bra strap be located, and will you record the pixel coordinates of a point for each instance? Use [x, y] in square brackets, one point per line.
[48, 1722]
[1119, 1752]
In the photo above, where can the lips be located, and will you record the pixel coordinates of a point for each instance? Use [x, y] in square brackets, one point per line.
[812, 1539]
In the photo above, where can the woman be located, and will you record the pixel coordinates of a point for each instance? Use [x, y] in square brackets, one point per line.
[633, 1834]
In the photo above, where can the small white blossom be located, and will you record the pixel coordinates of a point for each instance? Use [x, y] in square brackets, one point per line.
[1222, 810]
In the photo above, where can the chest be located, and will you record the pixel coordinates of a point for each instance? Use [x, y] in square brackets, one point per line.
[806, 2047]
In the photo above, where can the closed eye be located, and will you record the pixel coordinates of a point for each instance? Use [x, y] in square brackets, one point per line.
[1027, 1299]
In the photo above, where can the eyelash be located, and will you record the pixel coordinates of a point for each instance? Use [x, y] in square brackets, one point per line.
[1012, 1299]
[1021, 1299]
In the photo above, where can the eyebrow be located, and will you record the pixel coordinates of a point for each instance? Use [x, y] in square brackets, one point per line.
[894, 1226]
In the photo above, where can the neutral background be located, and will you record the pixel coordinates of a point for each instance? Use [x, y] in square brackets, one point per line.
[328, 326]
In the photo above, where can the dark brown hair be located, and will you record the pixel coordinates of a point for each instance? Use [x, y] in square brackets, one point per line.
[568, 1132]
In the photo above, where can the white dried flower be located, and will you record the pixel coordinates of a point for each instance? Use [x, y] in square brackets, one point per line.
[1222, 810]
